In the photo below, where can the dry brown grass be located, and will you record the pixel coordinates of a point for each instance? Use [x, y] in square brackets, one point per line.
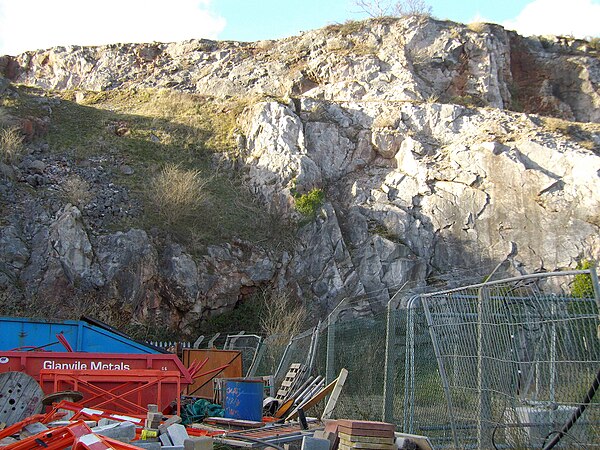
[282, 318]
[478, 27]
[585, 134]
[386, 120]
[11, 145]
[77, 191]
[177, 193]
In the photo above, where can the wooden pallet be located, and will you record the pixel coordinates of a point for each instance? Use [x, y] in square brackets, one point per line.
[291, 379]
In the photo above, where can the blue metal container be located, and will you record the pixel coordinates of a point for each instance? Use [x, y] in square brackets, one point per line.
[243, 399]
[87, 335]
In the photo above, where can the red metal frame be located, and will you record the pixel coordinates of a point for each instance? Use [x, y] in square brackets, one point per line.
[80, 412]
[126, 391]
[78, 436]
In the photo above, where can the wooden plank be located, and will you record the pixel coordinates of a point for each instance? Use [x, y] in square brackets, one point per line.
[360, 432]
[216, 358]
[285, 407]
[289, 381]
[20, 397]
[366, 439]
[335, 395]
[366, 425]
[234, 422]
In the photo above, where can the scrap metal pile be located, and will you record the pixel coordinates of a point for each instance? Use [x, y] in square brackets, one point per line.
[62, 386]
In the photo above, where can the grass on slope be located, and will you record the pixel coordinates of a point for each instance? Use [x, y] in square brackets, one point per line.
[149, 130]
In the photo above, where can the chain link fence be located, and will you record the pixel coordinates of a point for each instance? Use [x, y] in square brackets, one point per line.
[500, 364]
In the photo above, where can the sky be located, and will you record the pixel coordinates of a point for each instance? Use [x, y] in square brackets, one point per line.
[36, 24]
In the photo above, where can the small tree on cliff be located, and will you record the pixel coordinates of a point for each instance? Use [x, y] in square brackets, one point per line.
[384, 8]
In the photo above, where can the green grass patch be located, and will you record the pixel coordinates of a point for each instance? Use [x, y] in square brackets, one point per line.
[309, 204]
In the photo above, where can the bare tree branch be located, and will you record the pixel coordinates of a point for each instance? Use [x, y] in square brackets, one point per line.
[384, 8]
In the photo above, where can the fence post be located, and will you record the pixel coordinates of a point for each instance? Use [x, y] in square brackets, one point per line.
[409, 367]
[485, 410]
[330, 361]
[596, 286]
[390, 362]
[441, 369]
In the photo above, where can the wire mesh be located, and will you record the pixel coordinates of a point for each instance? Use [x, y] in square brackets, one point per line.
[247, 344]
[298, 350]
[493, 365]
[515, 359]
[418, 402]
[358, 345]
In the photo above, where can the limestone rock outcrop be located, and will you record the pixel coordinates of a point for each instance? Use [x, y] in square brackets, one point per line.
[406, 59]
[426, 138]
[415, 187]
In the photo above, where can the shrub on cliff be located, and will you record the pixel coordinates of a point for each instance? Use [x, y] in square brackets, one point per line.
[177, 193]
[582, 284]
[11, 145]
[309, 203]
[383, 8]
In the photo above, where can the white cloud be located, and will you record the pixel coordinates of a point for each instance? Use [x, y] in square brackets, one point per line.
[33, 24]
[580, 18]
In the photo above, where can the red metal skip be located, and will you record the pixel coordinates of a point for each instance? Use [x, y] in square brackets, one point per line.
[108, 380]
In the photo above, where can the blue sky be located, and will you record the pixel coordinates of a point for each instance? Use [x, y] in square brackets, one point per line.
[268, 19]
[34, 24]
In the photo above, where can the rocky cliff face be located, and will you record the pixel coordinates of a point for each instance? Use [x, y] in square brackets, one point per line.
[412, 188]
[403, 124]
[410, 59]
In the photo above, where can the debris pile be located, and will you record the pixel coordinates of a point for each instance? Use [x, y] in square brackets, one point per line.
[126, 401]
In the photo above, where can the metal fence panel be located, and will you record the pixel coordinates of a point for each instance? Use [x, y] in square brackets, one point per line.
[515, 359]
[493, 365]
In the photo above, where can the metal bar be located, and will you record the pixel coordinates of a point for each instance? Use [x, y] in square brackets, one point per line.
[441, 369]
[409, 368]
[258, 355]
[483, 433]
[313, 352]
[330, 357]
[390, 360]
[508, 280]
[596, 285]
[254, 357]
[285, 352]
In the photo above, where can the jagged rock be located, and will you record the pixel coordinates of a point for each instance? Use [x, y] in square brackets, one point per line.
[4, 84]
[467, 188]
[275, 145]
[403, 59]
[230, 269]
[70, 252]
[321, 264]
[7, 171]
[181, 277]
[382, 117]
[36, 166]
[129, 263]
[14, 254]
